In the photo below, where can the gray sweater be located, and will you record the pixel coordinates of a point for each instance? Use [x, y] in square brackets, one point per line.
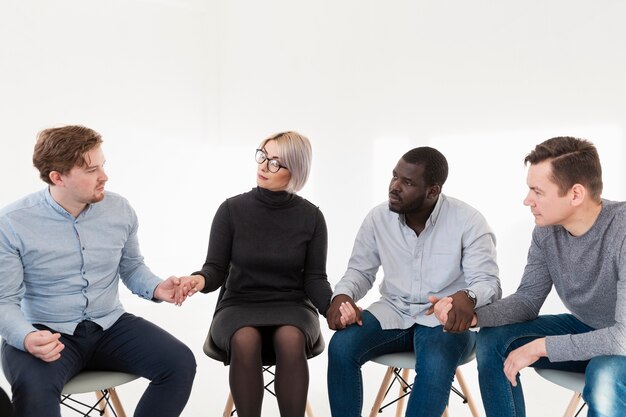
[589, 274]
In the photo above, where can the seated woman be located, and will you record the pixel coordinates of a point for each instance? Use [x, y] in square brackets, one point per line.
[268, 247]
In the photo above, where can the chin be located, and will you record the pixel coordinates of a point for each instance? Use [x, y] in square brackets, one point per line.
[98, 197]
[395, 209]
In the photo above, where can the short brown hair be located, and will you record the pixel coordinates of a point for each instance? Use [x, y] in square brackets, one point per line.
[573, 161]
[62, 148]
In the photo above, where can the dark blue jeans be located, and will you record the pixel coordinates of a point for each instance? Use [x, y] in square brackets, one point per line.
[605, 376]
[437, 355]
[132, 345]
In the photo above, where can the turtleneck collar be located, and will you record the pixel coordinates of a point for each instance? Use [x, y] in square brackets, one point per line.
[275, 198]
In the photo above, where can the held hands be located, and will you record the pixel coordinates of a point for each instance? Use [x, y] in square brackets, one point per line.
[177, 289]
[188, 286]
[349, 314]
[455, 312]
[44, 345]
[342, 312]
[441, 307]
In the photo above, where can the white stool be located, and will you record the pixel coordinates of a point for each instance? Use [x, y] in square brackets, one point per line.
[399, 365]
[574, 381]
[103, 383]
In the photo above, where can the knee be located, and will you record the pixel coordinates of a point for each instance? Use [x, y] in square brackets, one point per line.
[341, 349]
[490, 344]
[181, 365]
[190, 365]
[605, 391]
[35, 397]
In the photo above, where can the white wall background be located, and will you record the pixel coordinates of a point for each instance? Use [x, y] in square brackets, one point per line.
[183, 91]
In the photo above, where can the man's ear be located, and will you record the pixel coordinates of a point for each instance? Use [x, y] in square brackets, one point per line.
[55, 177]
[434, 191]
[579, 193]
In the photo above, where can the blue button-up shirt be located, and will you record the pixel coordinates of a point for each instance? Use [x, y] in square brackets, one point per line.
[456, 250]
[58, 270]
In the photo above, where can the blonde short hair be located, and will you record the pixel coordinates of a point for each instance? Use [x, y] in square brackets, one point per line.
[296, 154]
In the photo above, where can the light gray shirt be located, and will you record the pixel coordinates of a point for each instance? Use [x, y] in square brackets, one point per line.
[455, 250]
[58, 270]
[589, 274]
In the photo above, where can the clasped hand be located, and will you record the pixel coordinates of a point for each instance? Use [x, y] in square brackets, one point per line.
[177, 289]
[343, 312]
[455, 312]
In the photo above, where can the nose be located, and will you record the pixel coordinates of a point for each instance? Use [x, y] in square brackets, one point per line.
[528, 200]
[393, 185]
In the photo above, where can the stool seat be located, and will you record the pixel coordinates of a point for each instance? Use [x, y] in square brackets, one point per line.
[398, 365]
[406, 360]
[574, 381]
[91, 381]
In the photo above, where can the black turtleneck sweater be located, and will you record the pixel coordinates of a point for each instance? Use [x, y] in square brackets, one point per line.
[272, 247]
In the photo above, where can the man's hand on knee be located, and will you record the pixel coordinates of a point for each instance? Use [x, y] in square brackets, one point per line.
[523, 357]
[44, 345]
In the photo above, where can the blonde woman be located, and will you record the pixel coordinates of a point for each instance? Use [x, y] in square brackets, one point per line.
[268, 248]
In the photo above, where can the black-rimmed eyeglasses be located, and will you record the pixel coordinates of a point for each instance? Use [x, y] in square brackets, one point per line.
[273, 165]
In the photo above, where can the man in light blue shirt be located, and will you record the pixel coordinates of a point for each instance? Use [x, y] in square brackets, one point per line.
[429, 246]
[63, 251]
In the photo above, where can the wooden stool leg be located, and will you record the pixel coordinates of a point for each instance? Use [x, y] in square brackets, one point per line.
[466, 392]
[403, 386]
[381, 392]
[573, 405]
[309, 410]
[117, 404]
[102, 404]
[228, 409]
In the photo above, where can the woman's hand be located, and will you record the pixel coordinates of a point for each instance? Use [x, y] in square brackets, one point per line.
[188, 286]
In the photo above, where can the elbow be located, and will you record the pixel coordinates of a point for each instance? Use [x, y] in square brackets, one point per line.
[497, 291]
[620, 340]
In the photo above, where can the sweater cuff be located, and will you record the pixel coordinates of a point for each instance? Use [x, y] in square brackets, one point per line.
[205, 289]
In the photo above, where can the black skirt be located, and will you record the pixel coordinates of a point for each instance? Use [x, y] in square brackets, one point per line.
[266, 317]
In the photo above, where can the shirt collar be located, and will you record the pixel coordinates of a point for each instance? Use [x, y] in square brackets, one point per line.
[434, 216]
[58, 208]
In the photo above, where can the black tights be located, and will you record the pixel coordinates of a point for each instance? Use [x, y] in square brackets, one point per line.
[246, 375]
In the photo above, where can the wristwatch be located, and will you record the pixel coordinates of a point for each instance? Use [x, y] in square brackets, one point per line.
[470, 294]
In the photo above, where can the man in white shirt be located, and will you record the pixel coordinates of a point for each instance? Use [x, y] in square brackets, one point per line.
[429, 245]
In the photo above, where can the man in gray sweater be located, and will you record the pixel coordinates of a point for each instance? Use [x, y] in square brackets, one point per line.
[579, 246]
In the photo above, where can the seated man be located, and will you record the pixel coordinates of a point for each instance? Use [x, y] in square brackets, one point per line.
[579, 246]
[428, 244]
[62, 253]
[6, 409]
